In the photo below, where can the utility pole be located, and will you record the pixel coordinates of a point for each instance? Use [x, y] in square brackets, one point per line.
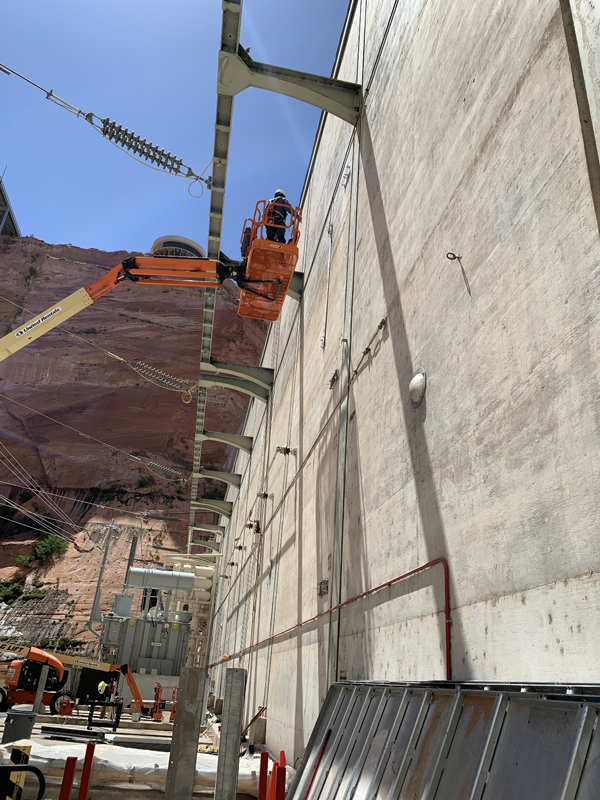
[96, 613]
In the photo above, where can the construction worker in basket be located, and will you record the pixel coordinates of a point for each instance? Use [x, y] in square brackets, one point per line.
[277, 210]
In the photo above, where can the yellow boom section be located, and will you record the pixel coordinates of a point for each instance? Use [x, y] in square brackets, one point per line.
[38, 326]
[71, 661]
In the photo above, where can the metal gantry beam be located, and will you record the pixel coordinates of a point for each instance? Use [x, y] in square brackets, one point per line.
[209, 544]
[221, 507]
[232, 478]
[204, 526]
[230, 40]
[237, 71]
[226, 382]
[234, 439]
[262, 376]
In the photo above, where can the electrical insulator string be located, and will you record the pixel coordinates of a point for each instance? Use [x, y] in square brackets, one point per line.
[149, 373]
[133, 145]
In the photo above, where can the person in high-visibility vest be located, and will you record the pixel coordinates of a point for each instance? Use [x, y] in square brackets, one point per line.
[277, 210]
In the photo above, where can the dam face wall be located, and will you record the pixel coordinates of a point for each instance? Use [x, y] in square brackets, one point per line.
[471, 143]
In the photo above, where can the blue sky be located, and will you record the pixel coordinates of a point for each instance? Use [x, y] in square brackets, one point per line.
[151, 66]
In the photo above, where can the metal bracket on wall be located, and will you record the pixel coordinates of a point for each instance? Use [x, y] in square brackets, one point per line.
[296, 286]
[214, 546]
[238, 72]
[245, 386]
[210, 559]
[262, 376]
[221, 507]
[234, 439]
[232, 478]
[204, 526]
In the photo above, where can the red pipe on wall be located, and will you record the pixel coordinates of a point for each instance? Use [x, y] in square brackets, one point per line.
[378, 588]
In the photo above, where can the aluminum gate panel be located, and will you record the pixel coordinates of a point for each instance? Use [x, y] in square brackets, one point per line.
[449, 741]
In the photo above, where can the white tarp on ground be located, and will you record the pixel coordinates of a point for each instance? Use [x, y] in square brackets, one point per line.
[118, 767]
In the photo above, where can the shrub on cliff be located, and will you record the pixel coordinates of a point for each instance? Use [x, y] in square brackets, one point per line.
[66, 643]
[48, 547]
[11, 590]
[37, 594]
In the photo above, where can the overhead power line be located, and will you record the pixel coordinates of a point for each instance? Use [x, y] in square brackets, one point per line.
[44, 525]
[139, 514]
[146, 464]
[17, 469]
[48, 525]
[133, 145]
[145, 371]
[31, 527]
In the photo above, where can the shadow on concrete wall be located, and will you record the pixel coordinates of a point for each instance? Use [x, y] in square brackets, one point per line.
[409, 659]
[299, 516]
[432, 524]
[325, 459]
[356, 659]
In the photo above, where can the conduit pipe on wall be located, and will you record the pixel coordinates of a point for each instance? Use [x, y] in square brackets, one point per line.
[330, 236]
[391, 582]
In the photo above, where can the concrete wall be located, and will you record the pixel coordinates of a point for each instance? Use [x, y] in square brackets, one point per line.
[470, 142]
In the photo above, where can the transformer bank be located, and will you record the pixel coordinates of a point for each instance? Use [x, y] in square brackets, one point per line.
[450, 245]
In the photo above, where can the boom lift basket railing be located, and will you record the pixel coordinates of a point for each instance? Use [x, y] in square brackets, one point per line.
[270, 263]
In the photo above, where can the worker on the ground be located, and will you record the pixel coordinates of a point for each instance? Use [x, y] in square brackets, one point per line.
[276, 216]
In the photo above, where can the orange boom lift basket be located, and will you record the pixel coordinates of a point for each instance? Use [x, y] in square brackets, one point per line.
[270, 265]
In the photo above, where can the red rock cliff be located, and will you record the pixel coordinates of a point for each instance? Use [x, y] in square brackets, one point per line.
[75, 382]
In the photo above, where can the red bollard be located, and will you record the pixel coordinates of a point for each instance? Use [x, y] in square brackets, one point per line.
[86, 772]
[280, 783]
[262, 776]
[67, 781]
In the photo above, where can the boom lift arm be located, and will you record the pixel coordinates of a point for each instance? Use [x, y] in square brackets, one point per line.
[263, 276]
[133, 688]
[160, 271]
[58, 660]
[41, 656]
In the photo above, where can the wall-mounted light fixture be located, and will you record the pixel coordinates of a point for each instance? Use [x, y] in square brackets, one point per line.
[416, 388]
